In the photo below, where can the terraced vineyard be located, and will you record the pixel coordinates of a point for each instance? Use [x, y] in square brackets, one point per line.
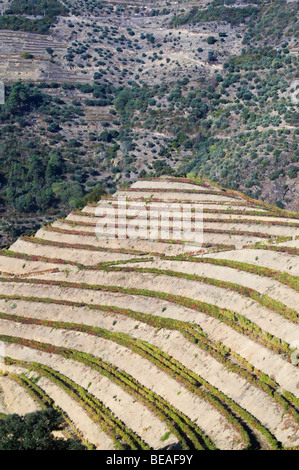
[156, 343]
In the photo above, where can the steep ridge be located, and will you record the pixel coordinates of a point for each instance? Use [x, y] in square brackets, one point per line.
[165, 316]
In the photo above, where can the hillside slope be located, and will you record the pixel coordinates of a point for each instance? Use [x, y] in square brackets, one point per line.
[107, 92]
[146, 342]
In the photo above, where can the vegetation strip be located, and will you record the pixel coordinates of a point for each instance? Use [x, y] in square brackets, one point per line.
[33, 389]
[208, 230]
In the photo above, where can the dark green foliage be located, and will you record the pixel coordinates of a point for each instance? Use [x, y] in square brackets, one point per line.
[131, 99]
[212, 57]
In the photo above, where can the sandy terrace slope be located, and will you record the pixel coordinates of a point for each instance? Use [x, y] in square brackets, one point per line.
[81, 420]
[180, 196]
[245, 218]
[132, 412]
[225, 221]
[112, 243]
[210, 420]
[71, 254]
[292, 243]
[83, 423]
[22, 267]
[16, 398]
[69, 236]
[271, 230]
[167, 185]
[140, 244]
[3, 408]
[157, 205]
[177, 346]
[257, 355]
[140, 226]
[223, 298]
[273, 260]
[215, 295]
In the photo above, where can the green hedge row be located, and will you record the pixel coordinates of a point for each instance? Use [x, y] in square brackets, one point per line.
[34, 390]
